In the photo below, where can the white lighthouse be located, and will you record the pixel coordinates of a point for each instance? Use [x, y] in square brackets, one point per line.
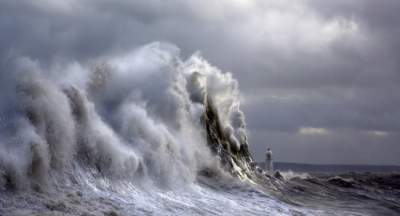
[269, 166]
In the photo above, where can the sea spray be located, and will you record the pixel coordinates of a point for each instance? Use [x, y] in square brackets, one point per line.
[138, 114]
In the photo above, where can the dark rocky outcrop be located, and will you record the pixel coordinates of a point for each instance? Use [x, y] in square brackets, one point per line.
[236, 161]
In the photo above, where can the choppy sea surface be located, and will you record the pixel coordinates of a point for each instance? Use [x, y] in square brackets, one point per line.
[87, 193]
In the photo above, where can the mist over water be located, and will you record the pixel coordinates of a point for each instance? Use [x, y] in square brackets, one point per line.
[127, 135]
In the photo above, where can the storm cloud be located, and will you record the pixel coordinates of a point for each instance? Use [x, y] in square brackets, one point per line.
[320, 80]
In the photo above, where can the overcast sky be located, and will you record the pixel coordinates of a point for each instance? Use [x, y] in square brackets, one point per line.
[320, 80]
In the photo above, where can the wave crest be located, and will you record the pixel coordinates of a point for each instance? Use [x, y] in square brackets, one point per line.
[139, 114]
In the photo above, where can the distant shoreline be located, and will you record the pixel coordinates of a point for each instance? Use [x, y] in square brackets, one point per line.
[332, 168]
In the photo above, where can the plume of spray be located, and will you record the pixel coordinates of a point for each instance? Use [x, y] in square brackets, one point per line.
[138, 114]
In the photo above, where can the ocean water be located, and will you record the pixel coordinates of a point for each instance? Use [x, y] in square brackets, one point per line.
[295, 194]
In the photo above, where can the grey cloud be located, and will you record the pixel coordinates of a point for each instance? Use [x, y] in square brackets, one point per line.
[344, 147]
[365, 109]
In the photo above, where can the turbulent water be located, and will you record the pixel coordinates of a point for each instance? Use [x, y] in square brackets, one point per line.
[147, 133]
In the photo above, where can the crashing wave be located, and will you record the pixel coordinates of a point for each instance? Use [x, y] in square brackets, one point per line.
[146, 114]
